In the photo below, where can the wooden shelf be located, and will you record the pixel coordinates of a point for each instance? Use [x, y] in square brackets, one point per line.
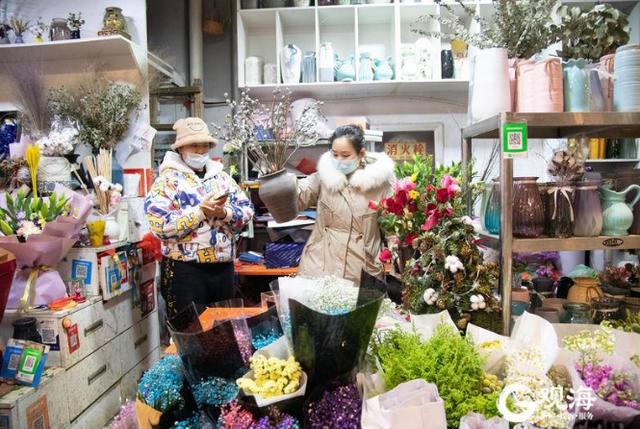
[610, 161]
[452, 90]
[110, 53]
[545, 244]
[561, 125]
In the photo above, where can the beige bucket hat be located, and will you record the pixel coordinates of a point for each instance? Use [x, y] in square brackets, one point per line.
[191, 130]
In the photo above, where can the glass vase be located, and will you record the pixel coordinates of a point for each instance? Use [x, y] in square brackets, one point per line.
[492, 212]
[528, 211]
[606, 309]
[587, 209]
[559, 216]
[59, 30]
[576, 313]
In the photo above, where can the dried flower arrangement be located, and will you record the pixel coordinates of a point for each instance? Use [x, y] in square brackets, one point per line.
[267, 131]
[9, 169]
[99, 168]
[565, 166]
[19, 26]
[101, 108]
[592, 34]
[29, 90]
[524, 27]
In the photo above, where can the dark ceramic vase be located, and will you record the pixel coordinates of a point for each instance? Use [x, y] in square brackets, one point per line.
[446, 58]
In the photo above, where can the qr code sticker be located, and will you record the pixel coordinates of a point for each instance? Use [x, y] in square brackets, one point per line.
[48, 336]
[29, 364]
[73, 342]
[14, 361]
[81, 271]
[515, 141]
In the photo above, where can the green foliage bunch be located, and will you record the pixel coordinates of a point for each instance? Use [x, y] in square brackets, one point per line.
[34, 211]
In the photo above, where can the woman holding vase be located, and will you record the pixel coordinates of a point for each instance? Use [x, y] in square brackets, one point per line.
[346, 238]
[196, 209]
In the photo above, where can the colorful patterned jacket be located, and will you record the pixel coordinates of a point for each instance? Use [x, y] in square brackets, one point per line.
[174, 214]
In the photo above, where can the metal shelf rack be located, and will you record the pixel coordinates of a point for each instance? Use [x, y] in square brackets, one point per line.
[543, 126]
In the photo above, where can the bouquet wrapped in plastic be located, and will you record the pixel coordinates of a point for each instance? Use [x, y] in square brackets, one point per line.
[329, 322]
[213, 357]
[39, 244]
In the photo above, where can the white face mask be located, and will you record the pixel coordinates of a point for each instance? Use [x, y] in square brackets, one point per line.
[196, 161]
[345, 167]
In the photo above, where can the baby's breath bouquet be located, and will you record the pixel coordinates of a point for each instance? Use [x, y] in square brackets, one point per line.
[101, 109]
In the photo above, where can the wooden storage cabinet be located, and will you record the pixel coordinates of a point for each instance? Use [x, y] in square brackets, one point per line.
[29, 408]
[137, 342]
[129, 382]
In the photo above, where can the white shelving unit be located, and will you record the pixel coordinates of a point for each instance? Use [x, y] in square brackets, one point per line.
[380, 29]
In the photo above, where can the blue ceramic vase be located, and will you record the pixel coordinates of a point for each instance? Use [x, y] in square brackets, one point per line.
[345, 69]
[366, 67]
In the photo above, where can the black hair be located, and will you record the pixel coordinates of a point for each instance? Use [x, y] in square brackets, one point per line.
[353, 133]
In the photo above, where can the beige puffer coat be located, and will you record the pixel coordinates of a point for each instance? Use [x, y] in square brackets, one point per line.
[346, 237]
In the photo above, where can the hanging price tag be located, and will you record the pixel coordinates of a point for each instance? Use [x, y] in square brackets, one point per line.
[514, 139]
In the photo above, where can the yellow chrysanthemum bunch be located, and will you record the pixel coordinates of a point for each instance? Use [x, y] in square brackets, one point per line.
[272, 376]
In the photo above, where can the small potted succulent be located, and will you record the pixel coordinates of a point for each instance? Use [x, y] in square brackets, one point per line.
[19, 27]
[75, 22]
[39, 29]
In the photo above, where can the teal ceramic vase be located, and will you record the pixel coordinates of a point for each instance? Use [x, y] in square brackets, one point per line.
[384, 71]
[366, 67]
[345, 69]
[617, 215]
[577, 86]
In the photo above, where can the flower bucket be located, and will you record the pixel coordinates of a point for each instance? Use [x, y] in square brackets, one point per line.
[539, 86]
[279, 192]
[52, 170]
[489, 87]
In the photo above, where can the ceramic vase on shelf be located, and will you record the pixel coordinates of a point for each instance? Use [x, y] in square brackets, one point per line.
[409, 69]
[492, 212]
[326, 62]
[309, 67]
[626, 87]
[423, 49]
[384, 70]
[19, 39]
[253, 68]
[528, 211]
[291, 67]
[489, 89]
[539, 86]
[576, 86]
[302, 3]
[114, 23]
[446, 62]
[75, 34]
[576, 313]
[270, 73]
[587, 209]
[585, 290]
[279, 192]
[367, 69]
[345, 69]
[58, 30]
[617, 215]
[559, 215]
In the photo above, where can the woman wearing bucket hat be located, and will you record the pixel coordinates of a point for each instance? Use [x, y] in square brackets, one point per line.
[196, 209]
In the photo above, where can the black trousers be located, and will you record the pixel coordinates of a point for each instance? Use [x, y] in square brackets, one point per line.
[185, 282]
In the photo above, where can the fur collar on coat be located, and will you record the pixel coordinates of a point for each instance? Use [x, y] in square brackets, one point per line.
[377, 172]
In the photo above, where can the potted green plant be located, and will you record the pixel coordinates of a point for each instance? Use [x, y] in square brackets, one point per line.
[586, 37]
[75, 23]
[4, 33]
[518, 30]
